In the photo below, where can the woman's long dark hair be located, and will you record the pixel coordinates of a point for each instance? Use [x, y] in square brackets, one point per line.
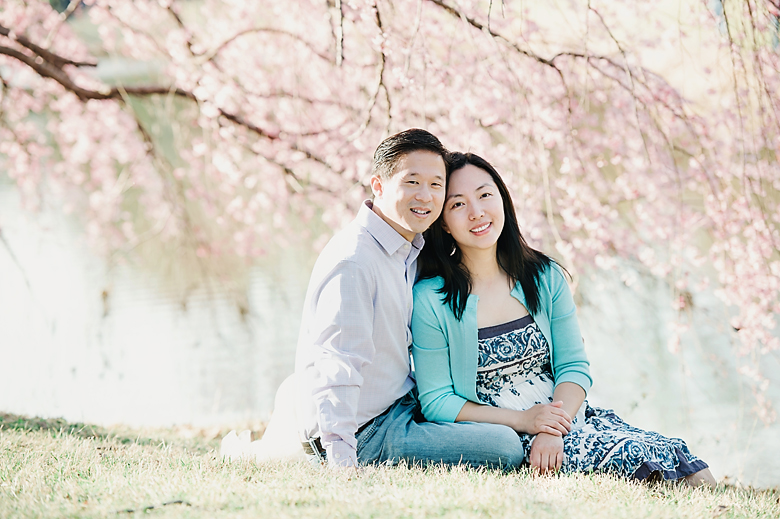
[441, 257]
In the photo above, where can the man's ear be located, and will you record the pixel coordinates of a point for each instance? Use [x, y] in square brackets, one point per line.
[376, 186]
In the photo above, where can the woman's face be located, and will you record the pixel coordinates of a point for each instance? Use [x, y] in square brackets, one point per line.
[473, 209]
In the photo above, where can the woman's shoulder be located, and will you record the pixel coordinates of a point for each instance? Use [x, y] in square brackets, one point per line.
[553, 273]
[427, 298]
[428, 286]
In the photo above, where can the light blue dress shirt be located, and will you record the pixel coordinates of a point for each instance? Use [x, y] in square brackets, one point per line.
[353, 360]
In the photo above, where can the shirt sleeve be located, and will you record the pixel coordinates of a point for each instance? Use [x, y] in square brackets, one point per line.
[431, 354]
[570, 364]
[342, 331]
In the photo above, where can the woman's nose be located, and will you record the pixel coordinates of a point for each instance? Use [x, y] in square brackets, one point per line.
[476, 212]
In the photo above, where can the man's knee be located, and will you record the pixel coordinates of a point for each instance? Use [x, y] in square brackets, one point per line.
[493, 446]
[508, 451]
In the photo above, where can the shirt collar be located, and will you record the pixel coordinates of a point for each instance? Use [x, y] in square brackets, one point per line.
[382, 232]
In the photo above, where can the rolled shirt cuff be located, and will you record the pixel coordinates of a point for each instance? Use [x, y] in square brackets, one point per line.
[341, 454]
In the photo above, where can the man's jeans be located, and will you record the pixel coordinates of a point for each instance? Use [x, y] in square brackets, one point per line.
[402, 434]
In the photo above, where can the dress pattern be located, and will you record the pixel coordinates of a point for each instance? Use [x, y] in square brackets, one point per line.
[514, 372]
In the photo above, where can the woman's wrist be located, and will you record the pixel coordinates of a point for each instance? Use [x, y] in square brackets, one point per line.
[520, 422]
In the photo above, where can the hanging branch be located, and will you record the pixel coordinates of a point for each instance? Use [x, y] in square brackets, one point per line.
[45, 55]
[211, 54]
[49, 65]
[64, 17]
[340, 35]
[379, 86]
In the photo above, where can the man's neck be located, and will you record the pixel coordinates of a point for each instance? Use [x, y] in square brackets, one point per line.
[407, 235]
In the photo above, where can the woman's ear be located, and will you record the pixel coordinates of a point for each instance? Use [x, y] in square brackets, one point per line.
[444, 227]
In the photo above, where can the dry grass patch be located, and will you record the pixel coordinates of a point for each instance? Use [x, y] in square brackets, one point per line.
[60, 472]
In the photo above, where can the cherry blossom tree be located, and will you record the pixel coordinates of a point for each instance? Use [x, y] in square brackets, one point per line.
[639, 133]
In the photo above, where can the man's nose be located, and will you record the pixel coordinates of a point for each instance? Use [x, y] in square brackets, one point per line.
[424, 194]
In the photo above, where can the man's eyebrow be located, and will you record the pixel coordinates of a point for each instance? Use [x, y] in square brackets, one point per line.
[414, 173]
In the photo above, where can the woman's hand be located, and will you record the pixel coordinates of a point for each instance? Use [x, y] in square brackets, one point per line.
[546, 453]
[545, 418]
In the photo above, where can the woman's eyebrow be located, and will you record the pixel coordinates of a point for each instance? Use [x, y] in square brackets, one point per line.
[486, 184]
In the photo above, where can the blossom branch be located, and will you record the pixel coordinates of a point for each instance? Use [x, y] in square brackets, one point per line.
[175, 14]
[340, 34]
[48, 70]
[630, 76]
[43, 54]
[379, 85]
[210, 55]
[64, 17]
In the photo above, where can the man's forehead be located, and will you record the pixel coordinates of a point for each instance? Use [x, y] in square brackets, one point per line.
[414, 162]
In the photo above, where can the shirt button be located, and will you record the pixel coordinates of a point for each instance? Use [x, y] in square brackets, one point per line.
[338, 455]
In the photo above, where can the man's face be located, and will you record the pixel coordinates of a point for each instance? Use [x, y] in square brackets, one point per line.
[411, 199]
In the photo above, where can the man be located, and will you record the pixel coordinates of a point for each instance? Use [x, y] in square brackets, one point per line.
[353, 370]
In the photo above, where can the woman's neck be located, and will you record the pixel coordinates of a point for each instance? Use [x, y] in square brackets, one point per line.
[482, 266]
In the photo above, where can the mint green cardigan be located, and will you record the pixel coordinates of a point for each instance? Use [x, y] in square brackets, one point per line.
[446, 350]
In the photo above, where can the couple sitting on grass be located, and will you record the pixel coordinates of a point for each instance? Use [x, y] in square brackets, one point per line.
[500, 372]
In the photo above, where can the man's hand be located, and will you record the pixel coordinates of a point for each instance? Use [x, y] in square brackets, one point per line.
[341, 456]
[546, 453]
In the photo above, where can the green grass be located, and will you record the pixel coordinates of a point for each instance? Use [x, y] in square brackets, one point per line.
[51, 468]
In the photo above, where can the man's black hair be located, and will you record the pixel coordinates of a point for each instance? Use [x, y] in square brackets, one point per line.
[390, 150]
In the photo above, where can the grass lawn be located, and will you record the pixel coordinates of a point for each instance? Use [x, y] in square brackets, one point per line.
[52, 468]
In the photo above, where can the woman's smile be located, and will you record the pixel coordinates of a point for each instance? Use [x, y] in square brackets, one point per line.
[479, 231]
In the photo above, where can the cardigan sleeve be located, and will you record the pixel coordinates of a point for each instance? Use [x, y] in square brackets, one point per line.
[570, 364]
[431, 354]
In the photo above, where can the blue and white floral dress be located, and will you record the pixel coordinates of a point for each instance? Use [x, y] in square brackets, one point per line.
[514, 372]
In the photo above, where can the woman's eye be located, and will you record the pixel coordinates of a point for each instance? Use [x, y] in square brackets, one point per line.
[485, 195]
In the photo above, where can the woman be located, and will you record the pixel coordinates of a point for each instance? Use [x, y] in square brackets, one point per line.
[496, 340]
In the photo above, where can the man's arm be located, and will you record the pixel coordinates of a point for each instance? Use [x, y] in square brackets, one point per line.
[341, 332]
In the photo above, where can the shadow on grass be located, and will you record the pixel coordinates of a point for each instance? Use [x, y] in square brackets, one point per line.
[53, 425]
[192, 439]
